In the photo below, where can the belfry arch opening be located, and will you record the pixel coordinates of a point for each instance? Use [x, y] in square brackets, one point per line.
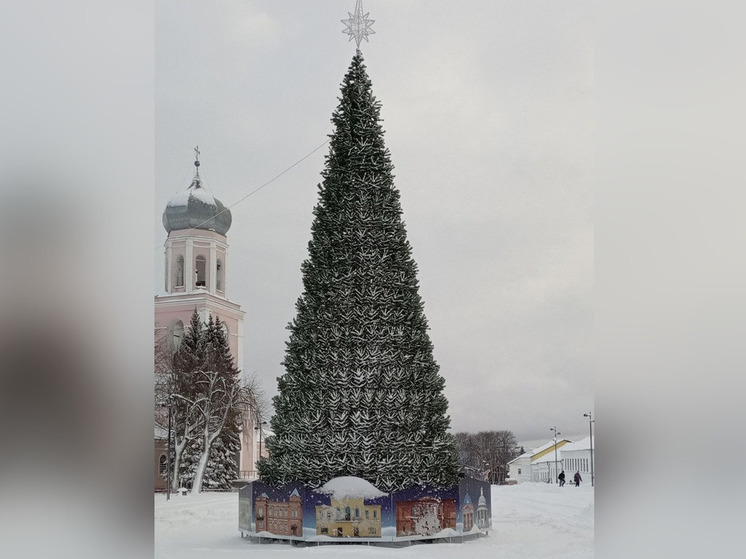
[177, 335]
[219, 276]
[179, 271]
[201, 271]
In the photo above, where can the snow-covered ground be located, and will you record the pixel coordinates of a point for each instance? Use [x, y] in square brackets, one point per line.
[528, 520]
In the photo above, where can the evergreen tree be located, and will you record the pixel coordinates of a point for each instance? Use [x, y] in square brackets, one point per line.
[188, 359]
[222, 468]
[217, 402]
[361, 394]
[207, 415]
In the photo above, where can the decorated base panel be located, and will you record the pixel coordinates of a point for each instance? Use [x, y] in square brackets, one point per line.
[352, 509]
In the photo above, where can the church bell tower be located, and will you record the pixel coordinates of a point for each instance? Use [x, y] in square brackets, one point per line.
[196, 277]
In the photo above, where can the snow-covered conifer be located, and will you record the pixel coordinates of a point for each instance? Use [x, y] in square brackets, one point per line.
[206, 406]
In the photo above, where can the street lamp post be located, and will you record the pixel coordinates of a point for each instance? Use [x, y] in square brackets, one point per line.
[556, 472]
[259, 428]
[168, 453]
[590, 427]
[167, 405]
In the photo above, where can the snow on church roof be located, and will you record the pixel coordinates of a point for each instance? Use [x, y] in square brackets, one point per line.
[196, 208]
[350, 486]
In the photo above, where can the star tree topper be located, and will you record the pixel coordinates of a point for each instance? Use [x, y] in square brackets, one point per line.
[358, 25]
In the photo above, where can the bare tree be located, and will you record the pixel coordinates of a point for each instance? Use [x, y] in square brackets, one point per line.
[253, 401]
[162, 364]
[218, 397]
[487, 452]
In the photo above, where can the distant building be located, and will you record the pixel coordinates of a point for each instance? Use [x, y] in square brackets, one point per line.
[536, 464]
[576, 457]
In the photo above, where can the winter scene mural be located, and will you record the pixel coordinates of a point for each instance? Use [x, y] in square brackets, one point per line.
[349, 507]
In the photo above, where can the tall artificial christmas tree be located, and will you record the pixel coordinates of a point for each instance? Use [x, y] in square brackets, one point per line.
[361, 395]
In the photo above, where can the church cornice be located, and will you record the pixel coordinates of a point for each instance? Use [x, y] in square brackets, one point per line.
[197, 298]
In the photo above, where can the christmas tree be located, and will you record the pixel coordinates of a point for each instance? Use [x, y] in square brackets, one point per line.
[361, 395]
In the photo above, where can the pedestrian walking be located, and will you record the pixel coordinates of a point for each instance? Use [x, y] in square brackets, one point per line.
[577, 479]
[561, 478]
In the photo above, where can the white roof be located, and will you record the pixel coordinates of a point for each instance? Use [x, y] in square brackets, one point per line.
[583, 444]
[549, 457]
[543, 447]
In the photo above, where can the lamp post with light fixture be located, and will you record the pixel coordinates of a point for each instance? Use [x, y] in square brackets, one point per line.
[259, 428]
[590, 427]
[556, 472]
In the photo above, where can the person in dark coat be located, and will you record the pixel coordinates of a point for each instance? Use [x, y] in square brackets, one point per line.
[561, 478]
[577, 479]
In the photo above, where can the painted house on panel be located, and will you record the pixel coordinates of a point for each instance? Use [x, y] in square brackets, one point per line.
[196, 274]
[483, 513]
[467, 513]
[348, 518]
[282, 518]
[425, 516]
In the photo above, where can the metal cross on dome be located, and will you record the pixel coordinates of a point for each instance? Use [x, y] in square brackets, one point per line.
[358, 25]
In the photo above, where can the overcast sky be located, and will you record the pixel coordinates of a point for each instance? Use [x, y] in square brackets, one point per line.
[488, 109]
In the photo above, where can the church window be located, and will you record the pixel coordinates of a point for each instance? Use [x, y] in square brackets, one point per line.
[201, 271]
[219, 278]
[179, 271]
[177, 334]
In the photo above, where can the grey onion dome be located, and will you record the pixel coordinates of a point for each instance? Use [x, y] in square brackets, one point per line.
[195, 208]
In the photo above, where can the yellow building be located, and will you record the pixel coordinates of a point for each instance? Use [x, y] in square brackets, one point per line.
[348, 518]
